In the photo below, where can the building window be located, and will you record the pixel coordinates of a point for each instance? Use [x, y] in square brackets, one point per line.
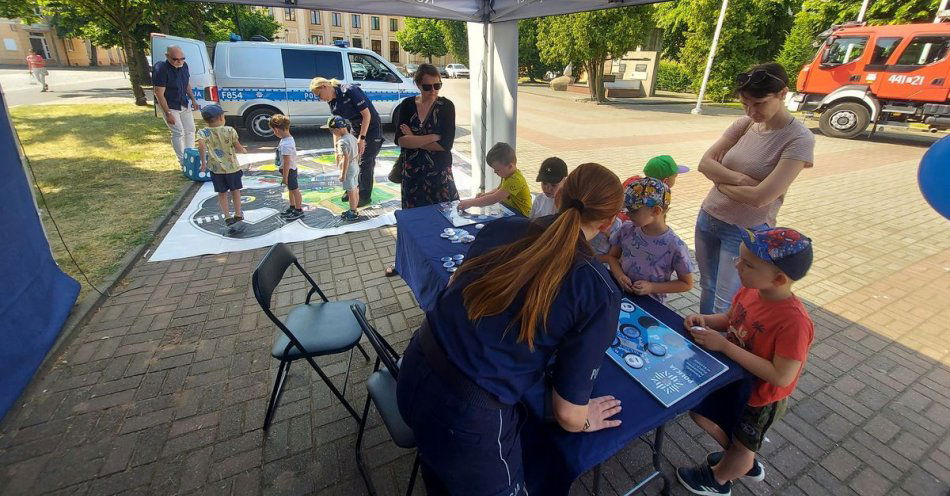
[377, 46]
[374, 23]
[314, 17]
[394, 51]
[316, 39]
[69, 44]
[337, 19]
[394, 24]
[357, 42]
[290, 15]
[356, 21]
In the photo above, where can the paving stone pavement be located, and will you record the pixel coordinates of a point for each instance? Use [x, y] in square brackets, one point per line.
[164, 390]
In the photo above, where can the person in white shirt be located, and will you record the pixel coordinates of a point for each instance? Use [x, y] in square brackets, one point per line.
[552, 173]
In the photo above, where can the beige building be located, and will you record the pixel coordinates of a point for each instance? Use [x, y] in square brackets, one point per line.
[372, 32]
[17, 39]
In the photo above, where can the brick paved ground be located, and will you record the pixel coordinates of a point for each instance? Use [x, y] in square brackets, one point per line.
[164, 391]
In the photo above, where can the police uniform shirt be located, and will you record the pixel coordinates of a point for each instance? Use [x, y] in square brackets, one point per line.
[349, 102]
[581, 324]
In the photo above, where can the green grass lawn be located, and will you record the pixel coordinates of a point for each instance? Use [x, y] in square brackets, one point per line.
[107, 171]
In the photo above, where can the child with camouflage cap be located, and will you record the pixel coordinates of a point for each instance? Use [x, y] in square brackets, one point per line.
[645, 252]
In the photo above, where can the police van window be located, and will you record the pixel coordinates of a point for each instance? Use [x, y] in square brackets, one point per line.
[924, 50]
[883, 49]
[307, 64]
[843, 50]
[368, 68]
[254, 62]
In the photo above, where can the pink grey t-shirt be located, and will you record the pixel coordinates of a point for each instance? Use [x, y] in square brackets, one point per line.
[756, 154]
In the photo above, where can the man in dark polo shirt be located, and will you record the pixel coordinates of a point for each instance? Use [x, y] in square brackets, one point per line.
[172, 94]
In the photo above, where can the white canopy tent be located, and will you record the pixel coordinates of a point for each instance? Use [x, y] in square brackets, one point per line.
[493, 52]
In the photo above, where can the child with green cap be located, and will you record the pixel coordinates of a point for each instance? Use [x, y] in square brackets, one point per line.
[664, 168]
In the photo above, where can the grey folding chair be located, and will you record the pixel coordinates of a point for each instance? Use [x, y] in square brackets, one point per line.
[313, 329]
[381, 390]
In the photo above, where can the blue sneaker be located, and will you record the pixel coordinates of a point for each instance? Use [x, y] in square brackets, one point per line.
[756, 473]
[350, 216]
[700, 480]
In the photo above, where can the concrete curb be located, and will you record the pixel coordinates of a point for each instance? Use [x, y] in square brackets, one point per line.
[84, 310]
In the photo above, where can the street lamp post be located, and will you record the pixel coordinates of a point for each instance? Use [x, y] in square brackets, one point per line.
[712, 54]
[864, 9]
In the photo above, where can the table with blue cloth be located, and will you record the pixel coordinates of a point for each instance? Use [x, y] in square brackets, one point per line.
[554, 458]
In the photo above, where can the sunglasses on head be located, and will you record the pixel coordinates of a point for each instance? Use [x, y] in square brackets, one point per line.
[755, 77]
[430, 87]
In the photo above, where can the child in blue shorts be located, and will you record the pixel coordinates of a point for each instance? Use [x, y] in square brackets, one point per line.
[216, 147]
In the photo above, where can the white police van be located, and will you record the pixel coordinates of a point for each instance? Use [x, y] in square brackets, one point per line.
[254, 80]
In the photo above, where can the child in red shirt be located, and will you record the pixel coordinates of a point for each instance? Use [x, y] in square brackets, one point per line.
[768, 332]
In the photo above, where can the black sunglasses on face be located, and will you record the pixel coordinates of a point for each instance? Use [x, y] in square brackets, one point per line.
[755, 77]
[430, 87]
[178, 60]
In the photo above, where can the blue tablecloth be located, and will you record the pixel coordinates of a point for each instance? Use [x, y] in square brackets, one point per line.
[553, 457]
[419, 250]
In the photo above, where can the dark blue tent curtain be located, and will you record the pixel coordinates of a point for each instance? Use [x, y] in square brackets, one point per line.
[35, 295]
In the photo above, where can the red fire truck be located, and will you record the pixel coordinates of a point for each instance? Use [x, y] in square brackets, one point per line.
[880, 75]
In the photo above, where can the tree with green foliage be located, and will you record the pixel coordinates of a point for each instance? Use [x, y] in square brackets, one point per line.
[423, 37]
[753, 32]
[529, 56]
[816, 16]
[588, 39]
[456, 37]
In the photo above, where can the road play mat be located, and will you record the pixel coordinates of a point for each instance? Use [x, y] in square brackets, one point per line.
[201, 230]
[666, 364]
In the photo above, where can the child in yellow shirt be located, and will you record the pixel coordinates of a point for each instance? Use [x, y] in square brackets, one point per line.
[513, 191]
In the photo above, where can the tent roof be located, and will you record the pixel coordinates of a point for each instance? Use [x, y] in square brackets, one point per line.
[461, 10]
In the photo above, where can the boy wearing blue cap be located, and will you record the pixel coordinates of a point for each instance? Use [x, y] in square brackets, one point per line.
[645, 252]
[217, 144]
[347, 160]
[768, 332]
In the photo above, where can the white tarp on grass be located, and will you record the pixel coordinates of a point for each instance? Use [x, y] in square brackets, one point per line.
[201, 230]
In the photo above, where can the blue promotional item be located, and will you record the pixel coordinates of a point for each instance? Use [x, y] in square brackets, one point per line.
[191, 166]
[933, 176]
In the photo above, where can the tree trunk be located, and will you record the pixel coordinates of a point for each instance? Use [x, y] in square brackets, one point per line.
[595, 79]
[145, 76]
[130, 58]
[93, 55]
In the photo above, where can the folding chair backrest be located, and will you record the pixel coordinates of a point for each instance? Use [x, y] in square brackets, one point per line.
[269, 272]
[387, 355]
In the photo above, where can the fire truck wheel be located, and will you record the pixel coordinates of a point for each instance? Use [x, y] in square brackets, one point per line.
[845, 120]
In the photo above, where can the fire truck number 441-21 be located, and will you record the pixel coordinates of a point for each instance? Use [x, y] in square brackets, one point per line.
[900, 79]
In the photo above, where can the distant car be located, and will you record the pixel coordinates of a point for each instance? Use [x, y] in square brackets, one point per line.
[359, 70]
[411, 69]
[442, 71]
[456, 70]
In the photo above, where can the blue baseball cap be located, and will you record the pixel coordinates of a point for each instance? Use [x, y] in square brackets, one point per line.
[646, 192]
[212, 111]
[336, 122]
[786, 248]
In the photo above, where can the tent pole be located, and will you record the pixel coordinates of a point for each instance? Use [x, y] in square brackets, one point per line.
[712, 54]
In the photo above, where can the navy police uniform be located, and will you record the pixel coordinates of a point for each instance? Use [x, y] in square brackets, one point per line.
[348, 103]
[461, 383]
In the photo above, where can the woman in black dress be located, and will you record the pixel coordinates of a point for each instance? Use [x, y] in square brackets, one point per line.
[426, 132]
